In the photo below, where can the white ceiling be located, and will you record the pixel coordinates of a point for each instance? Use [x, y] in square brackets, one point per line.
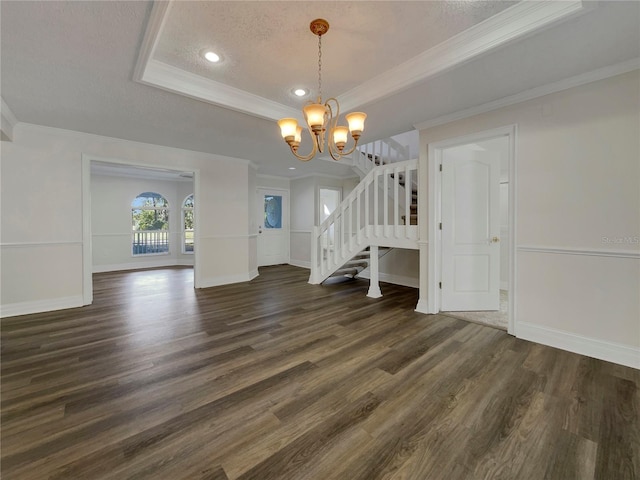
[96, 66]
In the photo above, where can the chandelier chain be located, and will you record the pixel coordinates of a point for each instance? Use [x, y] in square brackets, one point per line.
[320, 66]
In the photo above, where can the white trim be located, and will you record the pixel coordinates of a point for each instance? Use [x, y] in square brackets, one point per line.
[38, 306]
[512, 23]
[301, 231]
[404, 280]
[155, 25]
[115, 267]
[8, 120]
[591, 347]
[422, 306]
[576, 81]
[176, 80]
[197, 238]
[39, 244]
[228, 279]
[300, 263]
[87, 243]
[580, 251]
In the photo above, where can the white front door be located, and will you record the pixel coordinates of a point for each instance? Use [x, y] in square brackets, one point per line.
[273, 227]
[470, 231]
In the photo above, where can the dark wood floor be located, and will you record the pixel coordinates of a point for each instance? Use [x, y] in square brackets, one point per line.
[279, 379]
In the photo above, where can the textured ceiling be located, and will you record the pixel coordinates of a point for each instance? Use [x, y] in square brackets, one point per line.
[267, 48]
[71, 65]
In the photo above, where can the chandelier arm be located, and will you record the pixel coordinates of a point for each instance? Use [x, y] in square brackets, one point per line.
[352, 149]
[334, 151]
[335, 155]
[314, 148]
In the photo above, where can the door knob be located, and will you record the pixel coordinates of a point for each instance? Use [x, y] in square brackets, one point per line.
[495, 240]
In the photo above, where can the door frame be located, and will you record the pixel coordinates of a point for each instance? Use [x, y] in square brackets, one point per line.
[434, 193]
[319, 200]
[87, 247]
[259, 201]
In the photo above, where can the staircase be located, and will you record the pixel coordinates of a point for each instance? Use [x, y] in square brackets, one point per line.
[360, 261]
[372, 219]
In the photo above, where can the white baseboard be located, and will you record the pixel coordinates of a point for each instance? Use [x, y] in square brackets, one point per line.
[38, 306]
[422, 307]
[165, 262]
[591, 347]
[300, 263]
[228, 279]
[395, 279]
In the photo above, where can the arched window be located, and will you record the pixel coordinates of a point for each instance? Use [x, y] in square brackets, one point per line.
[150, 223]
[187, 224]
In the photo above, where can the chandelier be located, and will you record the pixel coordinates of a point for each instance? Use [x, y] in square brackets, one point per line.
[322, 117]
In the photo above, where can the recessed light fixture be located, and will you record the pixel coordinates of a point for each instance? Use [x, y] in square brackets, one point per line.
[300, 92]
[292, 168]
[212, 57]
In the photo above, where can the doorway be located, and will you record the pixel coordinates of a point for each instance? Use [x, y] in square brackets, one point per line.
[120, 235]
[273, 227]
[471, 227]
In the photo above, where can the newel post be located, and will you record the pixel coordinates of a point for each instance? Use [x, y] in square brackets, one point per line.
[314, 263]
[374, 285]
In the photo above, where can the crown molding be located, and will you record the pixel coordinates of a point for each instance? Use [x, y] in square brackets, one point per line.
[8, 120]
[567, 83]
[512, 23]
[155, 25]
[173, 79]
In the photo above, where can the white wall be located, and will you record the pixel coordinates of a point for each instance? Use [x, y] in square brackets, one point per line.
[111, 198]
[303, 213]
[42, 226]
[305, 194]
[577, 192]
[399, 266]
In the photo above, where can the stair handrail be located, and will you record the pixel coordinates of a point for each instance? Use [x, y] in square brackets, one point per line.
[387, 150]
[336, 239]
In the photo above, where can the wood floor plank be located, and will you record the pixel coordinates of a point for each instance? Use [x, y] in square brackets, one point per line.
[279, 379]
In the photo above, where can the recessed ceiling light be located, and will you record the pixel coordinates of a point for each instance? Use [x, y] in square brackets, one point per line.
[292, 168]
[212, 57]
[300, 92]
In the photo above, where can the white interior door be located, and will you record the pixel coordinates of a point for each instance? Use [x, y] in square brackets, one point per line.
[273, 227]
[470, 231]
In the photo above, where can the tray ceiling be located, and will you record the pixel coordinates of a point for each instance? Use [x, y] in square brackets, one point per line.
[369, 53]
